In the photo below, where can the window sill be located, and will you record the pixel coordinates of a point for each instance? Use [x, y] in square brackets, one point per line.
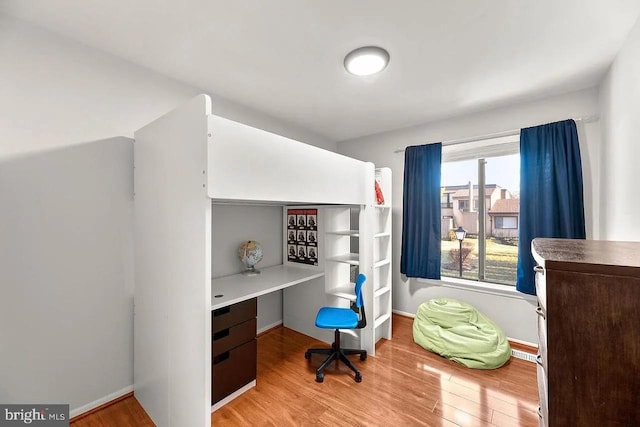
[481, 287]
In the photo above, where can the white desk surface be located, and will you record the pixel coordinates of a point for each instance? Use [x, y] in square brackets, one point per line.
[240, 287]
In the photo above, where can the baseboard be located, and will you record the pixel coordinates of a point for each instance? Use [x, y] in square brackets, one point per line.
[268, 328]
[404, 314]
[529, 347]
[233, 395]
[101, 403]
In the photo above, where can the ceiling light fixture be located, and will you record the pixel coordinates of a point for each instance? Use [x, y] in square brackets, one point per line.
[366, 61]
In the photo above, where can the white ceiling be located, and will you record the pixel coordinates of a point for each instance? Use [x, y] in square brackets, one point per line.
[284, 57]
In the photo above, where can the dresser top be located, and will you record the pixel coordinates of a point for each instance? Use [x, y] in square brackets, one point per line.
[586, 255]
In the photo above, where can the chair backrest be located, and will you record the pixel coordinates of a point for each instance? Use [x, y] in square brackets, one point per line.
[358, 307]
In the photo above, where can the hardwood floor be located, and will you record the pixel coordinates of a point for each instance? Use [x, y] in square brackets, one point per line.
[126, 412]
[404, 385]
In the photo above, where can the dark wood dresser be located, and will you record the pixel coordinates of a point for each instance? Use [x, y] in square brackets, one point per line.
[233, 348]
[589, 332]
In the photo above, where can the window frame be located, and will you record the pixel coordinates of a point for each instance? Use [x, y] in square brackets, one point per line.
[475, 150]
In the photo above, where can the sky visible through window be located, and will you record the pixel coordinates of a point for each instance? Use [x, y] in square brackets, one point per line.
[503, 171]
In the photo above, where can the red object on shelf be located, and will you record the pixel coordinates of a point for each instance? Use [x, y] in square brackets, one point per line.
[379, 196]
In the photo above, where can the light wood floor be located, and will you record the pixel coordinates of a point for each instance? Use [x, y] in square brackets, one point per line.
[403, 385]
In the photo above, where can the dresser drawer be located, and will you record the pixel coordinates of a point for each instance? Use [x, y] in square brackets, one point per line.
[541, 287]
[542, 336]
[226, 317]
[232, 337]
[233, 369]
[543, 393]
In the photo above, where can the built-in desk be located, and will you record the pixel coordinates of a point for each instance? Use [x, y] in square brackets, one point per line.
[234, 326]
[240, 287]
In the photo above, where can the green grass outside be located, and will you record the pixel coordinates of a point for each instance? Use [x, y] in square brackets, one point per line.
[501, 261]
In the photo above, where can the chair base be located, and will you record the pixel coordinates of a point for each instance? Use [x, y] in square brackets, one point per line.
[338, 354]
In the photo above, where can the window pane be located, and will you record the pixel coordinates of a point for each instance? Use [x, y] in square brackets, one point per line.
[502, 224]
[457, 179]
[502, 188]
[506, 222]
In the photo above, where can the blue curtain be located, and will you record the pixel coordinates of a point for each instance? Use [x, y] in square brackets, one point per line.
[551, 202]
[420, 255]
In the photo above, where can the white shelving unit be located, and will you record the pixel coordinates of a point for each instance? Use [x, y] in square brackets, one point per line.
[339, 258]
[360, 237]
[382, 301]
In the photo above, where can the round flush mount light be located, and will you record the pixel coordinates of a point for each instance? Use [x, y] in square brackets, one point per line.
[366, 61]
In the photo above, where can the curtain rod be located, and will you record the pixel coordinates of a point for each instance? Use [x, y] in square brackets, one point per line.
[587, 119]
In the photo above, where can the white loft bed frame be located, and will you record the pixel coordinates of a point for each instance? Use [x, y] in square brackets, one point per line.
[183, 161]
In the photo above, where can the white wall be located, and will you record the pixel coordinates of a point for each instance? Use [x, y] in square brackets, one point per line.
[66, 274]
[56, 94]
[620, 110]
[515, 314]
[234, 224]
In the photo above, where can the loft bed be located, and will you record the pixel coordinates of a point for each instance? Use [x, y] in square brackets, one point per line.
[184, 161]
[249, 164]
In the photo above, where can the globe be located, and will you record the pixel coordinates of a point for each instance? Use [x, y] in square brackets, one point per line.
[250, 254]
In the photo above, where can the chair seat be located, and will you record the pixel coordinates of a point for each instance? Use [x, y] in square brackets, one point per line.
[336, 318]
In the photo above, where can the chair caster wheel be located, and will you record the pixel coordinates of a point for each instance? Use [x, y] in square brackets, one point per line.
[319, 378]
[363, 357]
[307, 355]
[358, 377]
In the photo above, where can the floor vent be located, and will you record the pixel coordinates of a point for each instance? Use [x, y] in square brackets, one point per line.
[523, 355]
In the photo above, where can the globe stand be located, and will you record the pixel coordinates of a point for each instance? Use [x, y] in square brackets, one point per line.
[251, 271]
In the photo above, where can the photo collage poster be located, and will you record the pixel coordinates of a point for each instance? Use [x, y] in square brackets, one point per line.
[302, 236]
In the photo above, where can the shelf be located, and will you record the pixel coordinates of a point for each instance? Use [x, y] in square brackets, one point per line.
[379, 235]
[353, 259]
[380, 320]
[381, 291]
[381, 263]
[240, 287]
[352, 233]
[345, 291]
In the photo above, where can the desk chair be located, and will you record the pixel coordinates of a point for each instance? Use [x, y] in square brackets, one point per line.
[341, 318]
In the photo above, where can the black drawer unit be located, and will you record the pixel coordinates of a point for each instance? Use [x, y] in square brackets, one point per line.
[233, 348]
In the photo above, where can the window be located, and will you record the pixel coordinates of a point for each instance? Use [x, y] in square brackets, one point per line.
[490, 249]
[508, 222]
[445, 201]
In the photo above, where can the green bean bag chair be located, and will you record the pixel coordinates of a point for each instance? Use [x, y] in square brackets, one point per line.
[457, 331]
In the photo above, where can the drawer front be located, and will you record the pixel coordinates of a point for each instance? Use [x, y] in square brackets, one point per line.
[541, 287]
[233, 369]
[543, 393]
[542, 337]
[226, 317]
[232, 337]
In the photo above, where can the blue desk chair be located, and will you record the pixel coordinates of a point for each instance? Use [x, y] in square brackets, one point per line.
[341, 318]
